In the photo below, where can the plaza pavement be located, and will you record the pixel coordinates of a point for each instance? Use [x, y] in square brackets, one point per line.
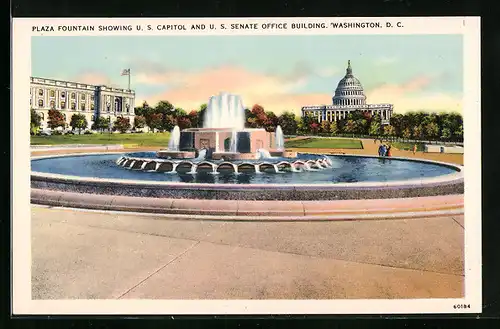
[98, 255]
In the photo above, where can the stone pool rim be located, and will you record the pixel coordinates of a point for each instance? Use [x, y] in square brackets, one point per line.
[440, 185]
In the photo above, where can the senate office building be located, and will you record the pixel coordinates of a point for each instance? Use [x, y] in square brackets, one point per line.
[79, 98]
[349, 97]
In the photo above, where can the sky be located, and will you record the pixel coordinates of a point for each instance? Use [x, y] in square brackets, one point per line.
[281, 73]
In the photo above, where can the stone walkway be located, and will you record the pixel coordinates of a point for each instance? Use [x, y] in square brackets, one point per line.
[87, 255]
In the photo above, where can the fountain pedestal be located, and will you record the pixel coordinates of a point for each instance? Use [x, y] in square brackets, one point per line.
[283, 153]
[165, 154]
[234, 156]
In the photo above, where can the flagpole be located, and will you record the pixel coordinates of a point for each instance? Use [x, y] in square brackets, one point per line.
[129, 79]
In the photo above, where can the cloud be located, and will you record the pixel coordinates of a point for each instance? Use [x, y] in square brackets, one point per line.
[278, 92]
[385, 61]
[327, 72]
[93, 78]
[189, 90]
[412, 95]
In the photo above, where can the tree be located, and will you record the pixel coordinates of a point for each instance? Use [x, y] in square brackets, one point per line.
[350, 126]
[270, 122]
[201, 115]
[407, 133]
[374, 129]
[325, 127]
[389, 130]
[446, 133]
[143, 110]
[179, 112]
[288, 123]
[35, 122]
[334, 130]
[122, 124]
[78, 121]
[260, 115]
[314, 127]
[193, 118]
[397, 122]
[56, 119]
[459, 133]
[154, 121]
[418, 132]
[169, 122]
[164, 107]
[304, 125]
[183, 122]
[432, 130]
[139, 122]
[101, 123]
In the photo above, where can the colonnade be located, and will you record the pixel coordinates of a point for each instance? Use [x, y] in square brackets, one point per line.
[349, 101]
[334, 115]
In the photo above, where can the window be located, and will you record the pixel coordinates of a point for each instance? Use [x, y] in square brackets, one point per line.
[52, 104]
[63, 105]
[82, 96]
[92, 97]
[40, 103]
[128, 107]
[42, 115]
[31, 102]
[108, 107]
[93, 118]
[73, 96]
[30, 91]
[82, 107]
[40, 92]
[92, 106]
[63, 94]
[73, 106]
[52, 93]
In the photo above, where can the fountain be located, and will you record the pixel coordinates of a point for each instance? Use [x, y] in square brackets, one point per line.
[280, 140]
[175, 135]
[233, 148]
[225, 138]
[279, 150]
[172, 152]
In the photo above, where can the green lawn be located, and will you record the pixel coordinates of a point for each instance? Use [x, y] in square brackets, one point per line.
[327, 143]
[144, 139]
[408, 146]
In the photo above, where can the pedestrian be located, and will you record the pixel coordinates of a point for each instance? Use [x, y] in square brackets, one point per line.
[414, 148]
[383, 150]
[388, 153]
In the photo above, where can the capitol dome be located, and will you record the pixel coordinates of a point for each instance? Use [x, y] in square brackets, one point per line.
[349, 90]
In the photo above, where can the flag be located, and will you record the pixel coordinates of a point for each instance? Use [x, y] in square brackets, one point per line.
[126, 72]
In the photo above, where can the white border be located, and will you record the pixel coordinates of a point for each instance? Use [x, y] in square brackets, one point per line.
[469, 27]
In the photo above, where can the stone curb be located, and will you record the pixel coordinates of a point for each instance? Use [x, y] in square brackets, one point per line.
[419, 207]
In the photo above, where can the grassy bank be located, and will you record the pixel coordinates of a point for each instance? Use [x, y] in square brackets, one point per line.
[408, 146]
[145, 139]
[323, 143]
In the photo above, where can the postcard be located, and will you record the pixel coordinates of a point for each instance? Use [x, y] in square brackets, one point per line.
[246, 166]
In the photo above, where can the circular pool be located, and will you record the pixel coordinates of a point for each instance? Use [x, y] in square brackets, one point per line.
[343, 169]
[346, 177]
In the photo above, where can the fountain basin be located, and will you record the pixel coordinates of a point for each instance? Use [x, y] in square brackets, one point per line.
[95, 174]
[166, 154]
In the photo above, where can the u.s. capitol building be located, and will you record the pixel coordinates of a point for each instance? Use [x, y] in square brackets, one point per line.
[349, 97]
[80, 98]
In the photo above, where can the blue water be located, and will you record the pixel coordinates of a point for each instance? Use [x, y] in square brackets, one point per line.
[345, 170]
